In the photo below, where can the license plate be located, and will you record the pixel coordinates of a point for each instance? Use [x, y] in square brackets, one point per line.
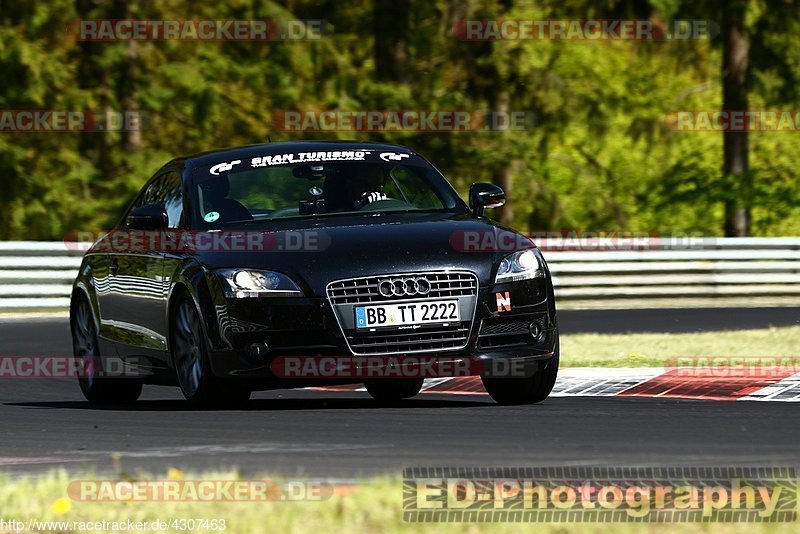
[411, 313]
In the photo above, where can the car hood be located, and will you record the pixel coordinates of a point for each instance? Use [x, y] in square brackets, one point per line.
[337, 248]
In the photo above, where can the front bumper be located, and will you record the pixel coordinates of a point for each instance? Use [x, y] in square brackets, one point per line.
[513, 327]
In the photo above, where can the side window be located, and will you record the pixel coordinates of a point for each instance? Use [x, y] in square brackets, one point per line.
[167, 190]
[138, 203]
[173, 198]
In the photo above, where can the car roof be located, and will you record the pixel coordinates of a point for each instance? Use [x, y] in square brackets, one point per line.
[267, 149]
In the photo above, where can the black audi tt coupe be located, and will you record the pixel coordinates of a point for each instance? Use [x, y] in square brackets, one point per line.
[230, 261]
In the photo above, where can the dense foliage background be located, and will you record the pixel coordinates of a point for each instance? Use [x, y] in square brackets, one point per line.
[599, 158]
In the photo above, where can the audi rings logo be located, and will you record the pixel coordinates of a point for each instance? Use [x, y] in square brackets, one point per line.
[404, 287]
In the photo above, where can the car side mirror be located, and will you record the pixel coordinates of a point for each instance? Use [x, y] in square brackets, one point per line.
[482, 196]
[148, 217]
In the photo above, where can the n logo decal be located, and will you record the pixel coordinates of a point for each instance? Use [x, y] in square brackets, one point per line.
[503, 301]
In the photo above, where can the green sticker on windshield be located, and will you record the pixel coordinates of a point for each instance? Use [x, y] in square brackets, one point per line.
[211, 216]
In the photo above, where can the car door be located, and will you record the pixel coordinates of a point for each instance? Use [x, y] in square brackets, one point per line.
[135, 307]
[109, 287]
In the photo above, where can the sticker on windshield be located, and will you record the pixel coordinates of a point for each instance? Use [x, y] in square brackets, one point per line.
[393, 156]
[310, 157]
[223, 167]
[211, 216]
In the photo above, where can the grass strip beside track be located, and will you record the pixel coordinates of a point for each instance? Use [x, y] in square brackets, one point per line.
[656, 350]
[370, 506]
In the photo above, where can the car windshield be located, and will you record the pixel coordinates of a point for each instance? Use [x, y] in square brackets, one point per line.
[318, 184]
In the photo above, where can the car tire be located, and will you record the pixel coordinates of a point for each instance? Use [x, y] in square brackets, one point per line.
[394, 389]
[95, 389]
[191, 362]
[528, 390]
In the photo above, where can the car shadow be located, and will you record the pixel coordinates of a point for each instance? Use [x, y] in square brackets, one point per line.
[260, 405]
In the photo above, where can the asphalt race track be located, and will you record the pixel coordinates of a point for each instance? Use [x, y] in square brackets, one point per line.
[46, 423]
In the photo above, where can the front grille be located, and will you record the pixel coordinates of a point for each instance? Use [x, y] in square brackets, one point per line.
[506, 332]
[461, 285]
[439, 339]
[361, 290]
[505, 327]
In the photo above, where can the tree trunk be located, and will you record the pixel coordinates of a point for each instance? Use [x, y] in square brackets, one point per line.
[390, 26]
[502, 175]
[132, 134]
[93, 78]
[734, 98]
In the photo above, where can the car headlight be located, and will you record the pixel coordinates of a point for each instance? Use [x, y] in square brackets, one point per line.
[243, 283]
[522, 265]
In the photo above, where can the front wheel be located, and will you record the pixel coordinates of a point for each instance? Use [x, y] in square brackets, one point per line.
[527, 390]
[96, 388]
[394, 389]
[190, 358]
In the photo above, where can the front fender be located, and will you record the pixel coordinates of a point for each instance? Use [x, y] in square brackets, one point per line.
[205, 291]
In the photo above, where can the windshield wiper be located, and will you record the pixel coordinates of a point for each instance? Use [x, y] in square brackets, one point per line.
[334, 214]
